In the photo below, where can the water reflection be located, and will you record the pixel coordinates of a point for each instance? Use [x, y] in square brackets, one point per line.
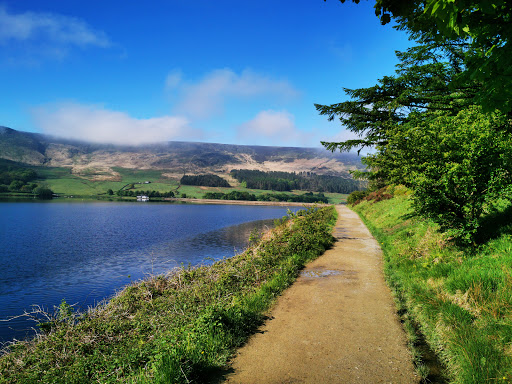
[85, 252]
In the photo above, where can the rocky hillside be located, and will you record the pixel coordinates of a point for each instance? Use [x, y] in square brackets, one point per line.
[177, 158]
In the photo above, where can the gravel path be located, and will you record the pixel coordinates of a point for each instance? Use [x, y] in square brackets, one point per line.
[335, 324]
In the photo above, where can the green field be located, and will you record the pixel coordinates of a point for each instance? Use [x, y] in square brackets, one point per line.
[64, 183]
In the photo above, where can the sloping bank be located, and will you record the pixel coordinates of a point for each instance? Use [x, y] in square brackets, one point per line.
[178, 328]
[460, 299]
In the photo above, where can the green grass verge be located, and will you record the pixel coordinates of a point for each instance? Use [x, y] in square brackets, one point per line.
[460, 299]
[178, 328]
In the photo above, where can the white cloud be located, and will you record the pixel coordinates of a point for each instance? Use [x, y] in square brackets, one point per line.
[208, 96]
[99, 125]
[52, 28]
[173, 79]
[273, 128]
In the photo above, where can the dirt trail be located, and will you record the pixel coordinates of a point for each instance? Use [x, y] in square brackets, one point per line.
[335, 324]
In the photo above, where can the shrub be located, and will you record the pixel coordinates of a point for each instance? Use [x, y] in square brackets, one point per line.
[43, 192]
[356, 197]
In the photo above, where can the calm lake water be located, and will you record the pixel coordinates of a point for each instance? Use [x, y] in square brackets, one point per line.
[84, 251]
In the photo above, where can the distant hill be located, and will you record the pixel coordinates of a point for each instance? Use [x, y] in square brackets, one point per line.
[176, 158]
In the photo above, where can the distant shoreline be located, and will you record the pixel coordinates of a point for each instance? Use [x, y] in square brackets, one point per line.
[243, 202]
[14, 198]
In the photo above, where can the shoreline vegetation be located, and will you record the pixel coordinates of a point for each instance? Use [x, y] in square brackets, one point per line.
[181, 327]
[454, 300]
[241, 197]
[245, 202]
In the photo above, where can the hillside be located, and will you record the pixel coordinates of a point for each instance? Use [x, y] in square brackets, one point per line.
[99, 161]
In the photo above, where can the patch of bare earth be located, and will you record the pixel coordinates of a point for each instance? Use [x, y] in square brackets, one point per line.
[173, 175]
[320, 166]
[336, 324]
[95, 173]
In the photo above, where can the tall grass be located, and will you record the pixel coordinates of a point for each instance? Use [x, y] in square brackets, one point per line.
[178, 328]
[460, 299]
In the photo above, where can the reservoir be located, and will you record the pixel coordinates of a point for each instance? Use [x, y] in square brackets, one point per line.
[83, 252]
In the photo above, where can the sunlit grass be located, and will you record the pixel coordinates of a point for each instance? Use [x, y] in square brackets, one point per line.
[460, 298]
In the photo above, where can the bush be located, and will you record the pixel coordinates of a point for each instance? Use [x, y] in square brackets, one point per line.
[43, 192]
[16, 185]
[454, 165]
[466, 162]
[356, 197]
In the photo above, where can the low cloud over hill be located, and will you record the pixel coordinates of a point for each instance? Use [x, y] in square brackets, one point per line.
[175, 157]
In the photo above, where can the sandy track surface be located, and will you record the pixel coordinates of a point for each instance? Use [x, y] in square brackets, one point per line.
[335, 324]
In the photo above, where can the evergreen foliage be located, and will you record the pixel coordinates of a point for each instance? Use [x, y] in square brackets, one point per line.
[421, 85]
[9, 174]
[18, 179]
[308, 197]
[431, 137]
[208, 180]
[138, 192]
[483, 26]
[302, 181]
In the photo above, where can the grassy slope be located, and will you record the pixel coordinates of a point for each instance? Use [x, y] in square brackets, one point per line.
[178, 328]
[460, 299]
[63, 182]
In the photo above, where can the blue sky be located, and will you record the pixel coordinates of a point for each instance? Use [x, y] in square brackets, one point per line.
[225, 71]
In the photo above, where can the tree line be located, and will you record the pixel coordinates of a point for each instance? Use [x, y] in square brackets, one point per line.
[21, 180]
[139, 192]
[288, 181]
[308, 197]
[207, 180]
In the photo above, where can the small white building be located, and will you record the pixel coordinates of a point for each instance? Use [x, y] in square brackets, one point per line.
[142, 198]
